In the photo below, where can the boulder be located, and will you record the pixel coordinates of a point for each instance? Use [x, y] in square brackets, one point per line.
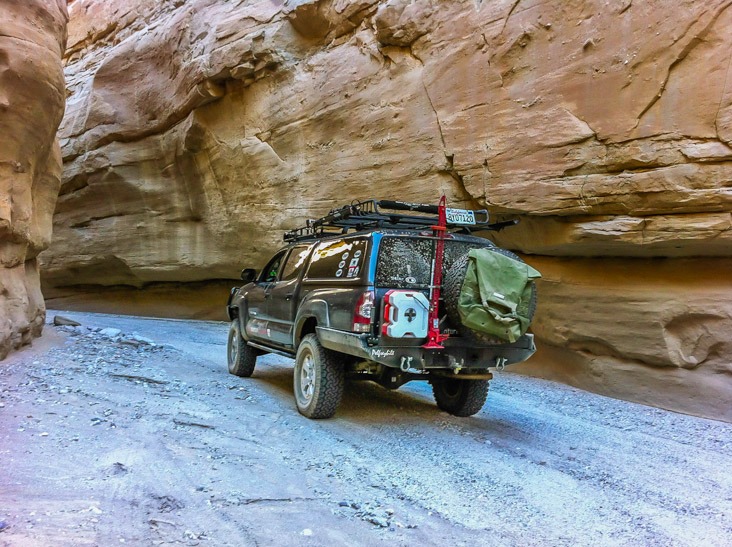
[61, 321]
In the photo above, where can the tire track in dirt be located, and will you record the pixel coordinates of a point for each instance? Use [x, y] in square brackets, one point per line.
[162, 445]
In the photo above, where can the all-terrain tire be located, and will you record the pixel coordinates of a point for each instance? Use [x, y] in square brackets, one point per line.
[451, 287]
[459, 397]
[241, 357]
[318, 379]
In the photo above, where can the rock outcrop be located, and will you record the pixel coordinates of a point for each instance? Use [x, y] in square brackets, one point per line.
[32, 42]
[197, 132]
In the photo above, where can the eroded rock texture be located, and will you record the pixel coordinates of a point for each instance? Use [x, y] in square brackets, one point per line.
[196, 132]
[32, 41]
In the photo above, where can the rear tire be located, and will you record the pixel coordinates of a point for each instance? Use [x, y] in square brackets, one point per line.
[460, 397]
[241, 357]
[318, 379]
[451, 293]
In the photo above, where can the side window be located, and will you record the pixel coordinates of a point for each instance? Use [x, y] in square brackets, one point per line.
[342, 259]
[270, 271]
[295, 262]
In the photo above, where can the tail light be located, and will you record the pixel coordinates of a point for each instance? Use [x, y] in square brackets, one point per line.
[364, 312]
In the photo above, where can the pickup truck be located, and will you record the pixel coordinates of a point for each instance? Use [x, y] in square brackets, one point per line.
[373, 292]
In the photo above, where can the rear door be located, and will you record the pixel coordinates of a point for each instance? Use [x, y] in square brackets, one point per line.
[283, 296]
[405, 263]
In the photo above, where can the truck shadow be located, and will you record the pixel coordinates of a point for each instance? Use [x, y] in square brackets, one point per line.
[361, 399]
[367, 403]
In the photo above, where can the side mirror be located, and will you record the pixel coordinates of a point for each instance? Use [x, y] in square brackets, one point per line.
[248, 275]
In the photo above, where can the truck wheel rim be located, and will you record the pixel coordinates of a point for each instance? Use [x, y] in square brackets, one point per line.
[233, 347]
[307, 378]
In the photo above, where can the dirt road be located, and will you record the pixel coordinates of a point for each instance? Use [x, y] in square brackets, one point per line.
[106, 439]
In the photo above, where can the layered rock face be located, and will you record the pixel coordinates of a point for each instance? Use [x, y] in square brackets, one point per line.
[197, 132]
[32, 41]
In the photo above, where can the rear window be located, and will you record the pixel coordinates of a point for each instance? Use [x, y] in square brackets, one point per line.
[341, 259]
[406, 262]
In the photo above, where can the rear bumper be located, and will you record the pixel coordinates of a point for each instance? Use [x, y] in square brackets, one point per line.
[410, 354]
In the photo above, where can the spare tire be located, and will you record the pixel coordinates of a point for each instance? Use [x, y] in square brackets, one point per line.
[451, 286]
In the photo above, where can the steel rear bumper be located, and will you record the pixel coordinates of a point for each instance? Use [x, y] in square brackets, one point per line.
[410, 354]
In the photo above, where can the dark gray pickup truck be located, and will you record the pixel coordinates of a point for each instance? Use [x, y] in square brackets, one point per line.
[354, 294]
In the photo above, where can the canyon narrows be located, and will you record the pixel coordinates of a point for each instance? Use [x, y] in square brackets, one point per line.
[196, 132]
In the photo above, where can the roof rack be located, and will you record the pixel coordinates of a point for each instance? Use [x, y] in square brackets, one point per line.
[370, 214]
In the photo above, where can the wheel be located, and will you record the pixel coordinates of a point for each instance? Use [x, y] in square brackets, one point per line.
[451, 287]
[241, 357]
[460, 397]
[318, 379]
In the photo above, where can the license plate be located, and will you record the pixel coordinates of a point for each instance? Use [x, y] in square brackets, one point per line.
[460, 216]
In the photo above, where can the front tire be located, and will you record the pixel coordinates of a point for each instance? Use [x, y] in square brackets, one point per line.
[241, 357]
[460, 397]
[318, 379]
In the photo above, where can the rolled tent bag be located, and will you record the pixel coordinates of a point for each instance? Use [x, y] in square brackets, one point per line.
[496, 294]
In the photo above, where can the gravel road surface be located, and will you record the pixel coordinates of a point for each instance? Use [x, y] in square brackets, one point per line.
[140, 436]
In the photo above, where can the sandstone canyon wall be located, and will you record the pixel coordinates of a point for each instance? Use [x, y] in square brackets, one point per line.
[196, 132]
[32, 42]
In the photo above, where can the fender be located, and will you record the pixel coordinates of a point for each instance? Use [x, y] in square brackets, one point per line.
[237, 308]
[315, 308]
[229, 307]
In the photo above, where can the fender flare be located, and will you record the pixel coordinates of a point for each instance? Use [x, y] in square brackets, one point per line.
[238, 309]
[317, 309]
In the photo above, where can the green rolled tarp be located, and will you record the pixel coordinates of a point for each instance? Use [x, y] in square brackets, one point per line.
[495, 295]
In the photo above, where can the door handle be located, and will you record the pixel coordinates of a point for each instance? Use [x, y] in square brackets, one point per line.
[288, 296]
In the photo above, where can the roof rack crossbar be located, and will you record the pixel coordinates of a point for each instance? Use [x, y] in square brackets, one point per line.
[370, 214]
